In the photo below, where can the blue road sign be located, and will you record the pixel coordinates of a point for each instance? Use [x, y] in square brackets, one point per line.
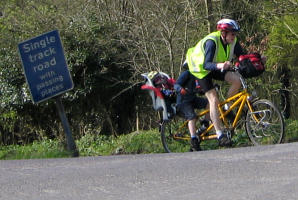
[45, 66]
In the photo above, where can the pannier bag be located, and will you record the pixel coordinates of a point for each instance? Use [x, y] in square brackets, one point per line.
[250, 65]
[161, 89]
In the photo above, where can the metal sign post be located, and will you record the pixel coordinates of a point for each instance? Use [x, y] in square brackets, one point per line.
[71, 146]
[47, 74]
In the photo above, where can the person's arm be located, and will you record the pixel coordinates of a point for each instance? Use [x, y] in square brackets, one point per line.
[210, 48]
[178, 86]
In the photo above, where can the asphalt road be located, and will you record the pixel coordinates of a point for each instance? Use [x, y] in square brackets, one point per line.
[260, 173]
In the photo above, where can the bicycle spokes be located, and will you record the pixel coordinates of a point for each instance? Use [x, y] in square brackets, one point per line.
[265, 124]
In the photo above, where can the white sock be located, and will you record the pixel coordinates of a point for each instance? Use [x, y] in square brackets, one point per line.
[218, 133]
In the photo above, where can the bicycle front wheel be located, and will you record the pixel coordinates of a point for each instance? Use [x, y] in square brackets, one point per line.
[174, 135]
[265, 124]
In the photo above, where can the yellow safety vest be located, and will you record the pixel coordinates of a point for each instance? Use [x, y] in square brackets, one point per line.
[195, 56]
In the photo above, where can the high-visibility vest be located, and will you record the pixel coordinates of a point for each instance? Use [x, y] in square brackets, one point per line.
[195, 56]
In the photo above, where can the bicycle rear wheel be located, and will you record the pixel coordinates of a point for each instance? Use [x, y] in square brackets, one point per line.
[265, 125]
[174, 135]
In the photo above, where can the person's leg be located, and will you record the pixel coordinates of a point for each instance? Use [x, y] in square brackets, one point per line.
[234, 80]
[211, 94]
[188, 112]
[194, 141]
[207, 86]
[202, 103]
[214, 114]
[192, 127]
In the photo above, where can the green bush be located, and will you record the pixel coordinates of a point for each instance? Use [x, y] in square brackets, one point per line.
[291, 131]
[88, 145]
[133, 143]
[44, 149]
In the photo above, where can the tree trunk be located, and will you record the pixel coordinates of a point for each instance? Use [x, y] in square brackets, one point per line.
[107, 125]
[209, 15]
[285, 102]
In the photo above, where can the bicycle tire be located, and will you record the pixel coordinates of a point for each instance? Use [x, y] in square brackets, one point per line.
[265, 125]
[173, 138]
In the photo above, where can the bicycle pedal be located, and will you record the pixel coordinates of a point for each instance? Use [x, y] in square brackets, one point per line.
[229, 133]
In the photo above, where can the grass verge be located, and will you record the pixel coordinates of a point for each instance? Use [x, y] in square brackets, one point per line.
[133, 143]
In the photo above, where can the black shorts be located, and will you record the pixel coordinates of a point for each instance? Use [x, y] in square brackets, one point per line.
[187, 109]
[206, 83]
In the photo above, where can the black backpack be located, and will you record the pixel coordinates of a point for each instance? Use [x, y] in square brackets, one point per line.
[250, 65]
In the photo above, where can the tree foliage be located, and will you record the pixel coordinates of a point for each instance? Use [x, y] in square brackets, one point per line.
[283, 45]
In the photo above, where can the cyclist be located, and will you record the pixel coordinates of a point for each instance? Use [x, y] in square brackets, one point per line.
[210, 59]
[187, 87]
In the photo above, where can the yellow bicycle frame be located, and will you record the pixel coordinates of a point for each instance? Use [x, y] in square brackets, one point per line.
[239, 100]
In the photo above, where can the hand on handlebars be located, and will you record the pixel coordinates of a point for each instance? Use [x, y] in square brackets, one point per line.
[224, 66]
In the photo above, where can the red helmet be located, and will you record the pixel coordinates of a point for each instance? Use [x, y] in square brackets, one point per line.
[228, 25]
